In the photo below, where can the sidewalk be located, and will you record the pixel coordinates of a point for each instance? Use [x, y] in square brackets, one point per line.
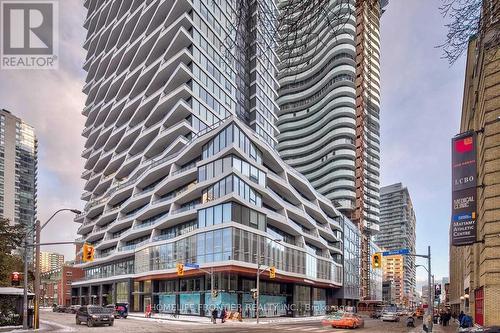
[436, 328]
[45, 326]
[206, 320]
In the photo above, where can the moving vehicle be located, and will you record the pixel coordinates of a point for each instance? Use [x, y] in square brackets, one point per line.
[419, 313]
[389, 316]
[376, 314]
[410, 322]
[94, 315]
[344, 320]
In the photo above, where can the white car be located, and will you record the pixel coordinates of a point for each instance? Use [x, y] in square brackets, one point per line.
[389, 316]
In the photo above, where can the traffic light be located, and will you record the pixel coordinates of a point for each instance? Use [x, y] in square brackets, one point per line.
[180, 269]
[272, 272]
[15, 277]
[376, 260]
[254, 293]
[88, 253]
[215, 293]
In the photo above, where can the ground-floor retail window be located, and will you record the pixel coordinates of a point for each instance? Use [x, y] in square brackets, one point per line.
[189, 304]
[228, 301]
[122, 291]
[167, 303]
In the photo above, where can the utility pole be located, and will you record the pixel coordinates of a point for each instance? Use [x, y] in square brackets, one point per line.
[430, 283]
[25, 279]
[37, 275]
[431, 301]
[37, 229]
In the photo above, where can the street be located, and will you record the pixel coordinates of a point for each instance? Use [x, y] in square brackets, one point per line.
[64, 322]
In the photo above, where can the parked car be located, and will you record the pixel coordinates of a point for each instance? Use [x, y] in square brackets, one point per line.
[72, 309]
[389, 316]
[122, 310]
[344, 320]
[59, 308]
[112, 308]
[94, 315]
[376, 314]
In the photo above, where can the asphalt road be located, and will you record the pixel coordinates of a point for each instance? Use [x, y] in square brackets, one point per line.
[63, 322]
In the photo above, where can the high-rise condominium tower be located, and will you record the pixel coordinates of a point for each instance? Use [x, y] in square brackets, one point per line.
[50, 261]
[180, 165]
[397, 231]
[18, 171]
[329, 100]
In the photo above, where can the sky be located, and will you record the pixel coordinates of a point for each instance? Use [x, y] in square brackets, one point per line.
[420, 112]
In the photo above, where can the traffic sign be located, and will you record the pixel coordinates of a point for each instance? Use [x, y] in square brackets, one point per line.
[191, 265]
[396, 252]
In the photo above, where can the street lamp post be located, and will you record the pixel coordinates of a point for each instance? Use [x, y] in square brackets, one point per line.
[37, 229]
[429, 282]
[258, 276]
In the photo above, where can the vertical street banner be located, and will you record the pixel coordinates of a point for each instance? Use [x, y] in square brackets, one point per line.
[464, 189]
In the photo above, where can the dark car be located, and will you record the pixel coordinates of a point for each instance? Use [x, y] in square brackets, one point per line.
[72, 309]
[59, 308]
[112, 308]
[121, 310]
[94, 315]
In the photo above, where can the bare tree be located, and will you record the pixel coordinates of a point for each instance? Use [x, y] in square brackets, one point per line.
[290, 27]
[304, 27]
[468, 18]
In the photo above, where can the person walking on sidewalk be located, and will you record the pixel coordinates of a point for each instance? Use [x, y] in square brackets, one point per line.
[427, 322]
[223, 315]
[460, 316]
[214, 316]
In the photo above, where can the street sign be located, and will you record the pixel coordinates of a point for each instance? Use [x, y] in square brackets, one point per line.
[395, 252]
[191, 265]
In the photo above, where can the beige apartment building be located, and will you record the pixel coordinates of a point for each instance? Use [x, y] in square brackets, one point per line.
[50, 261]
[475, 269]
[393, 268]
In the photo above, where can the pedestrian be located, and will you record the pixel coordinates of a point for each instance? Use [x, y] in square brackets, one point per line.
[148, 311]
[427, 322]
[460, 317]
[214, 315]
[223, 315]
[466, 321]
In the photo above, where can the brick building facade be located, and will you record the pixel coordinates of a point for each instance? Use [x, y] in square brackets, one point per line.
[475, 269]
[56, 285]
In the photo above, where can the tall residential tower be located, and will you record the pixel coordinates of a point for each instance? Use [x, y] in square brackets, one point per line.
[180, 166]
[18, 171]
[397, 231]
[329, 100]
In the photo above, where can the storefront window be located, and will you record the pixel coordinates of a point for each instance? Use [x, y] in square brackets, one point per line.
[122, 292]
